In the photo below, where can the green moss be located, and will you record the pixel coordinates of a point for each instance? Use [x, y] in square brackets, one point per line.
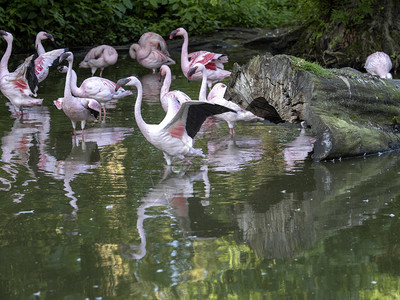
[303, 65]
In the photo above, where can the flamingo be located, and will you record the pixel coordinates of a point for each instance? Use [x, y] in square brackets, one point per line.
[20, 85]
[216, 97]
[97, 88]
[76, 108]
[155, 39]
[99, 57]
[151, 51]
[174, 135]
[214, 62]
[379, 63]
[166, 94]
[42, 35]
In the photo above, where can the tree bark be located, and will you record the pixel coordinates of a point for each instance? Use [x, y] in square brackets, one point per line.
[350, 113]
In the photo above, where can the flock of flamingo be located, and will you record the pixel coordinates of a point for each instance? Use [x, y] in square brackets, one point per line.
[174, 136]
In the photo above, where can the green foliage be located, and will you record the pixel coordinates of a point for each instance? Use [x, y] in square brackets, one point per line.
[84, 22]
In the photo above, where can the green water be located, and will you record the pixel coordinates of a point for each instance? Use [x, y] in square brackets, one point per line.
[255, 219]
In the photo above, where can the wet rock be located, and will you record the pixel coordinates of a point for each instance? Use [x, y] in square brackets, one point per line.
[350, 113]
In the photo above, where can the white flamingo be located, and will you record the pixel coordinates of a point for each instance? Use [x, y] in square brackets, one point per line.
[379, 63]
[76, 108]
[20, 85]
[151, 51]
[166, 94]
[97, 88]
[217, 98]
[174, 135]
[213, 62]
[99, 57]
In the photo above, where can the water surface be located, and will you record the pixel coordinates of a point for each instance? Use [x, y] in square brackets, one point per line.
[255, 219]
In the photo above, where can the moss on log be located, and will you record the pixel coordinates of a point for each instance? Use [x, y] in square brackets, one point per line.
[350, 113]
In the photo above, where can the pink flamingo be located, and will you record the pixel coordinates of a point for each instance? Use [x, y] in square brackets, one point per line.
[42, 35]
[379, 63]
[76, 108]
[156, 40]
[20, 85]
[166, 94]
[99, 57]
[216, 97]
[151, 51]
[174, 135]
[97, 88]
[213, 62]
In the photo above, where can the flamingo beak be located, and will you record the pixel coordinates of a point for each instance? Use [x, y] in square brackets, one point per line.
[50, 37]
[64, 56]
[121, 82]
[2, 32]
[191, 72]
[173, 34]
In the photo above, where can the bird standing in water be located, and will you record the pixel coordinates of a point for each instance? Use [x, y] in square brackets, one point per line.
[174, 135]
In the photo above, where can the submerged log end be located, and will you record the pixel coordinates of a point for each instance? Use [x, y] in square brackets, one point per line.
[350, 113]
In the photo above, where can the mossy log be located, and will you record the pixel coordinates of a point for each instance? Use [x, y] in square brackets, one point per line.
[350, 113]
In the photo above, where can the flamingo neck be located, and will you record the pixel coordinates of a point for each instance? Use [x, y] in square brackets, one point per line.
[39, 47]
[203, 87]
[138, 104]
[77, 91]
[166, 84]
[5, 58]
[185, 64]
[67, 89]
[144, 52]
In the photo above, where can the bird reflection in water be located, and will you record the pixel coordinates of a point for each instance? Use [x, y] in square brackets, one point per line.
[298, 150]
[233, 154]
[84, 156]
[171, 192]
[29, 131]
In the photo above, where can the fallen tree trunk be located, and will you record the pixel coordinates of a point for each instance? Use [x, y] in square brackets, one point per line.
[350, 113]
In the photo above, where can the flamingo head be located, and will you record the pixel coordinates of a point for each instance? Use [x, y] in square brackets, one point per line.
[197, 67]
[43, 35]
[6, 35]
[133, 49]
[121, 82]
[68, 56]
[132, 80]
[163, 72]
[62, 69]
[176, 32]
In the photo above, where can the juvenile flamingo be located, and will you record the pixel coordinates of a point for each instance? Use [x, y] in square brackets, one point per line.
[166, 94]
[99, 57]
[213, 62]
[174, 135]
[20, 85]
[76, 108]
[151, 51]
[97, 88]
[216, 97]
[379, 63]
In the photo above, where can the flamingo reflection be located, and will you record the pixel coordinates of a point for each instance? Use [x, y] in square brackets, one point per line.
[29, 131]
[171, 192]
[233, 154]
[82, 158]
[298, 150]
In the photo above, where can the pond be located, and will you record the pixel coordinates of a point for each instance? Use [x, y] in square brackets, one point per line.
[254, 219]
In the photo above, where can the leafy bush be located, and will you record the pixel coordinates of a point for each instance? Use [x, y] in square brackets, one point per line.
[85, 22]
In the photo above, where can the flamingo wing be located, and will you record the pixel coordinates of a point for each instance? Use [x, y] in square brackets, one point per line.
[192, 115]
